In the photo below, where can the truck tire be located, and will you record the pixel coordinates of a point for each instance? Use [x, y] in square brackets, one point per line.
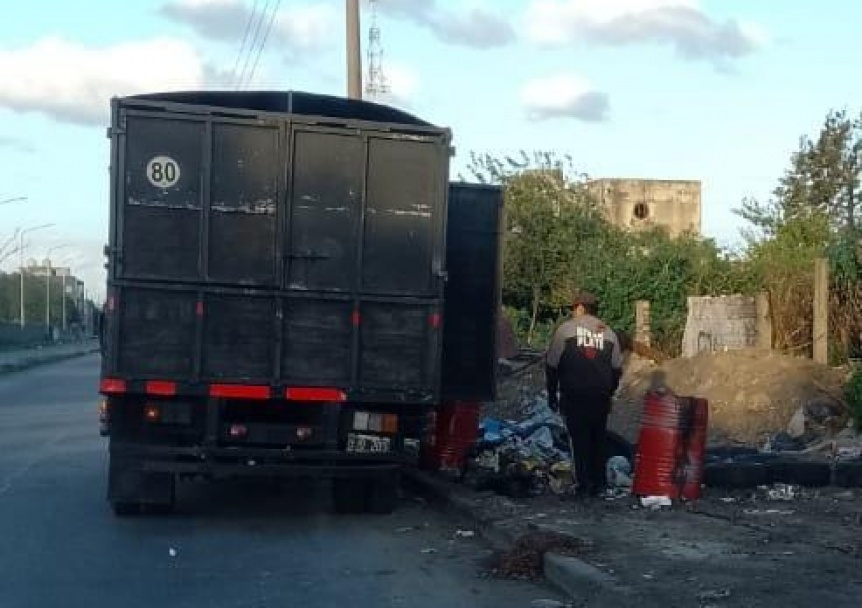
[348, 495]
[382, 494]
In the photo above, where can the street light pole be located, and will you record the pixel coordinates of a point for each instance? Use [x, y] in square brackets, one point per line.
[21, 268]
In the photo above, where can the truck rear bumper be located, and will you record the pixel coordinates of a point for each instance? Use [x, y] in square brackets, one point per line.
[220, 462]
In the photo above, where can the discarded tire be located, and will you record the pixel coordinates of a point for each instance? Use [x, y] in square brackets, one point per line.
[848, 474]
[722, 453]
[735, 475]
[800, 473]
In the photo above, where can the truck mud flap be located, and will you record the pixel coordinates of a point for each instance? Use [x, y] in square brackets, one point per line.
[130, 486]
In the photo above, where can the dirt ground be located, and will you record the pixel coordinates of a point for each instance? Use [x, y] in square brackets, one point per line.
[727, 549]
[752, 394]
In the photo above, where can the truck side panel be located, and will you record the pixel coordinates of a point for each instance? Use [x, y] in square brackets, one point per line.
[474, 264]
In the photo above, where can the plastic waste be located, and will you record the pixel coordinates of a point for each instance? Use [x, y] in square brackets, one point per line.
[655, 502]
[619, 472]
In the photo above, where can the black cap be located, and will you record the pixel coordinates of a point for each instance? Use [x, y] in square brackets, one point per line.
[585, 298]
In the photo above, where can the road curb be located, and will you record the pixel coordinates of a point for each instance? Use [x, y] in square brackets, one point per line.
[568, 574]
[36, 360]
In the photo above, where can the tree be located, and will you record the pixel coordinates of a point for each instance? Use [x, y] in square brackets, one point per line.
[549, 218]
[823, 178]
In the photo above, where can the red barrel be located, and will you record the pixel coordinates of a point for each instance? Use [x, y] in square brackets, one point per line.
[453, 433]
[671, 445]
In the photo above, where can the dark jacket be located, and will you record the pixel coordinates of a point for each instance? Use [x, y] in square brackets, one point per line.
[584, 358]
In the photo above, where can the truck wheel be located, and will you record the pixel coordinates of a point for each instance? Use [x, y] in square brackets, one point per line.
[348, 495]
[126, 509]
[382, 494]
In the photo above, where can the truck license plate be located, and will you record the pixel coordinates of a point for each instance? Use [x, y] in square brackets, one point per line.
[367, 444]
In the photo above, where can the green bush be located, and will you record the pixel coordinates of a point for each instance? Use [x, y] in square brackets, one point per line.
[853, 393]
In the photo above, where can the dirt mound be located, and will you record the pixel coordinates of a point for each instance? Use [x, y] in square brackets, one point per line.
[752, 394]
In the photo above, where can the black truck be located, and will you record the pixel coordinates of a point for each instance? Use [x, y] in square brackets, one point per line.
[293, 286]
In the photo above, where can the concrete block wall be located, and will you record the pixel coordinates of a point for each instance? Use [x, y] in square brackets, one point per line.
[726, 323]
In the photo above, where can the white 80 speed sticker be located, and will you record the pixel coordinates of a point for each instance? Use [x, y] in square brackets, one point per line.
[163, 171]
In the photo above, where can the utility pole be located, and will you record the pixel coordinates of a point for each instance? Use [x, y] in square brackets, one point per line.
[354, 59]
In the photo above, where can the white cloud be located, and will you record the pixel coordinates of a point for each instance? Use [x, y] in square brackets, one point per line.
[564, 96]
[472, 26]
[403, 86]
[74, 83]
[295, 29]
[682, 24]
[17, 144]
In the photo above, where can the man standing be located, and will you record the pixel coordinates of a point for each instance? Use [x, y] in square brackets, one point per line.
[585, 362]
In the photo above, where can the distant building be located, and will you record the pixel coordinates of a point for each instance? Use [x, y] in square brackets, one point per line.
[638, 204]
[61, 275]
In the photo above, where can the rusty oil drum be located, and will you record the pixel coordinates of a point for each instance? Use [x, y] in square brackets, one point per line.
[671, 446]
[453, 432]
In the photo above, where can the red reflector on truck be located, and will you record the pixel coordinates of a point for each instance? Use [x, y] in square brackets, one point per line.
[435, 320]
[301, 393]
[161, 387]
[112, 385]
[240, 391]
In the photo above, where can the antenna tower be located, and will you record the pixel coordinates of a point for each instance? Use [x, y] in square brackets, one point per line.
[377, 84]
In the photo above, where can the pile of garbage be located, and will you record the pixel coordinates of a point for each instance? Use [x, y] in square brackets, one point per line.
[531, 457]
[526, 458]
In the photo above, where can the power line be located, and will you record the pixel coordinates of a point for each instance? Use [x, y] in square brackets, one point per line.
[239, 54]
[254, 39]
[263, 42]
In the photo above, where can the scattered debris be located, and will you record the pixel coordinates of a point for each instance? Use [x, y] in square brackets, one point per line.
[524, 560]
[767, 512]
[713, 595]
[405, 529]
[465, 533]
[655, 502]
[427, 551]
[549, 604]
[783, 491]
[619, 472]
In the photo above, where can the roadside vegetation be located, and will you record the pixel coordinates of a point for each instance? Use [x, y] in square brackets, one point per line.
[557, 241]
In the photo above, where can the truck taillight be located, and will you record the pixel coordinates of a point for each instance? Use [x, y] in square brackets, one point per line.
[152, 412]
[377, 423]
[238, 431]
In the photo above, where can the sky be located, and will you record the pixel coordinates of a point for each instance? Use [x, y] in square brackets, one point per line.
[713, 90]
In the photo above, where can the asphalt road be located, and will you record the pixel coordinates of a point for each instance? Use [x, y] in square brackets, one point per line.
[230, 545]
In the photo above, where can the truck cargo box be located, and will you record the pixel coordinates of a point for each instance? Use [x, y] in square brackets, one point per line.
[283, 241]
